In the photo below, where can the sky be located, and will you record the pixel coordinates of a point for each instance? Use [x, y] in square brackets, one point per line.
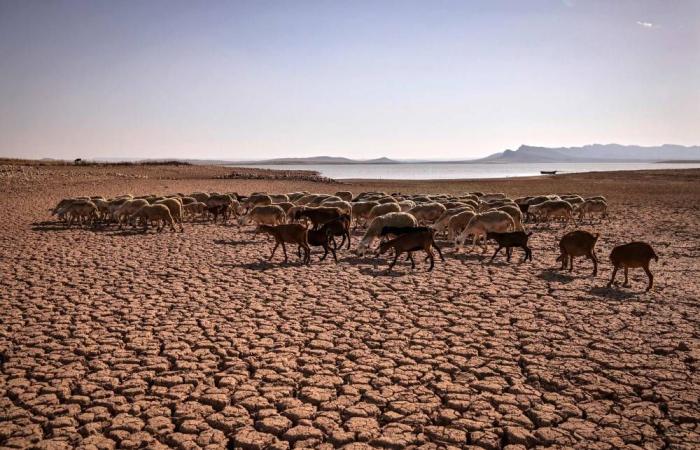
[362, 79]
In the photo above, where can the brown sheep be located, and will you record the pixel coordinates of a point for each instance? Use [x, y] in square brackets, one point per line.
[578, 243]
[291, 233]
[159, 213]
[175, 207]
[634, 254]
[411, 242]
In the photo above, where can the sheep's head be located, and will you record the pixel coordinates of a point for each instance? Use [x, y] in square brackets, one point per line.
[243, 220]
[363, 248]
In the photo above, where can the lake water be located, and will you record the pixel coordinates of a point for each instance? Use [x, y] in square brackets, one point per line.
[427, 171]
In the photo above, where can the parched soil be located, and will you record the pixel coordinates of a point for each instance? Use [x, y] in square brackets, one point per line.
[115, 339]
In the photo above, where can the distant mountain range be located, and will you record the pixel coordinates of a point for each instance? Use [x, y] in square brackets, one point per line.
[594, 153]
[524, 154]
[316, 160]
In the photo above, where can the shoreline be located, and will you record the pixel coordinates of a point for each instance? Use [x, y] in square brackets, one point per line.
[505, 179]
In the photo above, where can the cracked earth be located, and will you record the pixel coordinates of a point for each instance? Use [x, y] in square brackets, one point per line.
[193, 340]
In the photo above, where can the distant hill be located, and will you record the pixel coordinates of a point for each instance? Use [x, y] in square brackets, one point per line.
[595, 153]
[316, 160]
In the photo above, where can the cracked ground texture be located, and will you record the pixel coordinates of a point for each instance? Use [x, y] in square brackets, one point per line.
[192, 340]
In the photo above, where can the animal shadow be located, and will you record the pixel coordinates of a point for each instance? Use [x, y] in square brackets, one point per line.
[612, 293]
[234, 242]
[555, 275]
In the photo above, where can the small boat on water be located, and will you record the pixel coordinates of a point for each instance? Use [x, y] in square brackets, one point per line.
[548, 172]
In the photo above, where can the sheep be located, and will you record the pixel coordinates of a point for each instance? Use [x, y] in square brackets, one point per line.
[443, 221]
[200, 196]
[411, 242]
[342, 205]
[492, 196]
[393, 219]
[515, 213]
[127, 210]
[458, 223]
[573, 199]
[597, 197]
[279, 198]
[286, 206]
[318, 215]
[290, 233]
[553, 209]
[509, 240]
[320, 200]
[588, 207]
[84, 211]
[387, 199]
[191, 210]
[383, 208]
[263, 215]
[480, 224]
[222, 204]
[361, 211]
[427, 212]
[344, 195]
[256, 200]
[485, 206]
[631, 255]
[406, 205]
[175, 207]
[578, 243]
[187, 200]
[159, 213]
[294, 196]
[305, 199]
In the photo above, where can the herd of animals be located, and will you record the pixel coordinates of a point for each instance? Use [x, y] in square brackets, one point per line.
[402, 223]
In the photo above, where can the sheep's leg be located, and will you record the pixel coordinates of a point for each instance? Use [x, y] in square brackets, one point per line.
[495, 253]
[651, 277]
[438, 250]
[284, 249]
[172, 226]
[612, 278]
[274, 249]
[325, 252]
[347, 234]
[391, 266]
[571, 263]
[626, 283]
[528, 253]
[413, 263]
[563, 257]
[335, 258]
[592, 257]
[432, 259]
[307, 250]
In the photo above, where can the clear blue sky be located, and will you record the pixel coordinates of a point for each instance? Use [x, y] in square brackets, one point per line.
[426, 79]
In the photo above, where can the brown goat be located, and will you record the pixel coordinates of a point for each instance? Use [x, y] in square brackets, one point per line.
[578, 243]
[410, 243]
[290, 233]
[634, 254]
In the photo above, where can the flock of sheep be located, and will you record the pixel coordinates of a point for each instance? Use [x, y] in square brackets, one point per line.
[404, 223]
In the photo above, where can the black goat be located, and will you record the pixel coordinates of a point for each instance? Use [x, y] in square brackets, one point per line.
[321, 238]
[338, 227]
[510, 240]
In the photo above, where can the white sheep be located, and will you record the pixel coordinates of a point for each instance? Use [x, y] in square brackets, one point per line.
[427, 212]
[481, 224]
[393, 219]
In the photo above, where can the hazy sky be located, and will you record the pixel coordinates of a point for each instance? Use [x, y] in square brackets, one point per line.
[424, 79]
